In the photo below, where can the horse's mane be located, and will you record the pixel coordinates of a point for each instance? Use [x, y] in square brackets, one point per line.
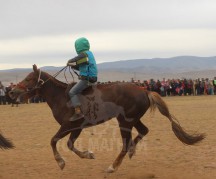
[55, 81]
[109, 84]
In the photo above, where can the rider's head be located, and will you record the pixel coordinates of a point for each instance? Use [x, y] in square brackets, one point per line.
[82, 44]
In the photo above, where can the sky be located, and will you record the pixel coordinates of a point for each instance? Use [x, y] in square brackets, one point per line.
[43, 32]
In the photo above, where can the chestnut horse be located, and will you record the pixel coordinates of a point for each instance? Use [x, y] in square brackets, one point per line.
[100, 103]
[5, 143]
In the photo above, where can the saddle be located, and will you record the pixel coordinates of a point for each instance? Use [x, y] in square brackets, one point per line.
[88, 90]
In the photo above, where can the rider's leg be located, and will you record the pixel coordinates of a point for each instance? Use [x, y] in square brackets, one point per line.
[75, 102]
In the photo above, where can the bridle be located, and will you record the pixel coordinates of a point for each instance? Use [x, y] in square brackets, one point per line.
[40, 81]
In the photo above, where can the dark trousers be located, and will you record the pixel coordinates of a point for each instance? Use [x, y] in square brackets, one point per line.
[2, 100]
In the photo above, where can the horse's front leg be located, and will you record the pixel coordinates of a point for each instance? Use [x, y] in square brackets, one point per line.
[62, 132]
[74, 135]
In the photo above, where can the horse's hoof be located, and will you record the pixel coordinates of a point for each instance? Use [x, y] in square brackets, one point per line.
[131, 151]
[89, 155]
[130, 155]
[110, 169]
[61, 164]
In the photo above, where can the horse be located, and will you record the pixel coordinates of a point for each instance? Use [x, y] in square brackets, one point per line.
[5, 143]
[102, 102]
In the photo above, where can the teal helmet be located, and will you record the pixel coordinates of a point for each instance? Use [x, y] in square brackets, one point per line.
[82, 44]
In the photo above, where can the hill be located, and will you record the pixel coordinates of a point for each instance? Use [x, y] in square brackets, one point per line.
[157, 68]
[160, 65]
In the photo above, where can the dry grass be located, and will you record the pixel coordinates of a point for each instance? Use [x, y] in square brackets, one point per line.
[159, 155]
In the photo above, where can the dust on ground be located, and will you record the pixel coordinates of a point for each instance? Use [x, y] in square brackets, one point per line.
[159, 155]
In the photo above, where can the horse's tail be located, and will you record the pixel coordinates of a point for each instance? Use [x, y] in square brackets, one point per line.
[5, 143]
[156, 101]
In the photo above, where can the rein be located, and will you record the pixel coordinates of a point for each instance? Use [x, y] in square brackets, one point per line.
[41, 82]
[55, 75]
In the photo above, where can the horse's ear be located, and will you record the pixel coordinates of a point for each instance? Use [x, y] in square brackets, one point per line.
[35, 68]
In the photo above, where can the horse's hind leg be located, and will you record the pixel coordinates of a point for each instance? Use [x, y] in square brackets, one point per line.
[142, 131]
[62, 132]
[74, 135]
[126, 138]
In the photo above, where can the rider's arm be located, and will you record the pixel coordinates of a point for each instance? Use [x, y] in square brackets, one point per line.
[80, 56]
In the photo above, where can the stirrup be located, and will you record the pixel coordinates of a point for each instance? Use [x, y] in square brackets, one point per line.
[76, 117]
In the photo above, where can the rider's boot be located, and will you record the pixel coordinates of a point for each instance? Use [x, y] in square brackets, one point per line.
[77, 114]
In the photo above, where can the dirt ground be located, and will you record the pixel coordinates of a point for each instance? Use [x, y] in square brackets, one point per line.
[159, 155]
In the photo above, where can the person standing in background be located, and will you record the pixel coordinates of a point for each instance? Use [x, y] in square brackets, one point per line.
[2, 94]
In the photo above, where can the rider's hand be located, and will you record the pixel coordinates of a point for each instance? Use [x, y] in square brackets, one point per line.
[68, 63]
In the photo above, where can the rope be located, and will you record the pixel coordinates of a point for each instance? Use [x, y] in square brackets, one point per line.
[57, 73]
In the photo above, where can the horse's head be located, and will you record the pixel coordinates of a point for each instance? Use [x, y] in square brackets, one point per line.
[27, 87]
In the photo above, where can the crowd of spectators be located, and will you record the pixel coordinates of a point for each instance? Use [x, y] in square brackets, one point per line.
[180, 87]
[169, 87]
[2, 94]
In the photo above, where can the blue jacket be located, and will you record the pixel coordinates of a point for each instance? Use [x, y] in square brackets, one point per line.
[89, 69]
